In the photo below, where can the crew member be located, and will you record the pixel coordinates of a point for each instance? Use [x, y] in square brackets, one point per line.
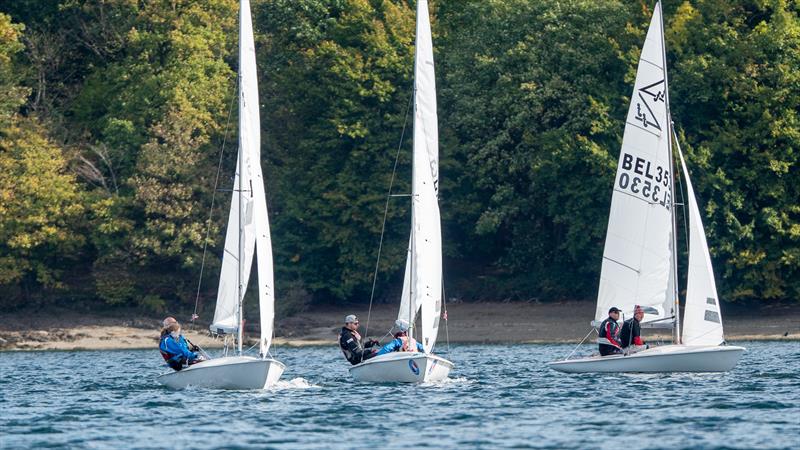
[608, 339]
[169, 320]
[630, 334]
[350, 342]
[174, 348]
[402, 342]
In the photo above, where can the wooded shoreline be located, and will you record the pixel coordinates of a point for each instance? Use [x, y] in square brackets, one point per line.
[115, 122]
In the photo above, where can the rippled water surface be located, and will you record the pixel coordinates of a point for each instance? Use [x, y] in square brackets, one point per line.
[498, 396]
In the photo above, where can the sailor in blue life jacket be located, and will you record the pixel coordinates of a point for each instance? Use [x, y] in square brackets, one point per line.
[608, 335]
[402, 342]
[174, 347]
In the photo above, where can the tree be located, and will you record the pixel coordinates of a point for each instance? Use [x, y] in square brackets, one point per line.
[40, 201]
[337, 84]
[736, 85]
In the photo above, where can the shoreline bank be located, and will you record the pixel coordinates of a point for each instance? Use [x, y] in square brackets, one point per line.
[474, 323]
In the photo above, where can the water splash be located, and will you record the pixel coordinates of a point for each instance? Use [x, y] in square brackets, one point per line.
[449, 381]
[295, 383]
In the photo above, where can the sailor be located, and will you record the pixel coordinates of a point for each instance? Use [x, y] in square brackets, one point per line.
[608, 339]
[174, 348]
[350, 342]
[402, 342]
[630, 335]
[165, 324]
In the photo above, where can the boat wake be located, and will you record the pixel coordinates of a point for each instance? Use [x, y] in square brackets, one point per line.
[294, 383]
[448, 381]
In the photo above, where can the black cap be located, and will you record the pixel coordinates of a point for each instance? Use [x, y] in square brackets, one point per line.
[614, 309]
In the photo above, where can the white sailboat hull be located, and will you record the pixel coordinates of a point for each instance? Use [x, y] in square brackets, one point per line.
[402, 367]
[231, 372]
[667, 358]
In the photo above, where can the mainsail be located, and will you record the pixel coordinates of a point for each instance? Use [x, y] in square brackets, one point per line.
[248, 224]
[422, 287]
[638, 256]
[702, 323]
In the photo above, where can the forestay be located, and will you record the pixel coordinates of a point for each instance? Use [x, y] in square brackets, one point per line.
[248, 224]
[638, 256]
[422, 287]
[702, 317]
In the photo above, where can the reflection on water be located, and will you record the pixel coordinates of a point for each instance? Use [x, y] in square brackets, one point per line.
[497, 396]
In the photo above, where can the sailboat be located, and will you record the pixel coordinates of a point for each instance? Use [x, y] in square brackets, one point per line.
[247, 235]
[422, 284]
[640, 257]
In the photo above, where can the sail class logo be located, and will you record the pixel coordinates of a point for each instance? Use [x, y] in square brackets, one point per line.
[655, 92]
[413, 366]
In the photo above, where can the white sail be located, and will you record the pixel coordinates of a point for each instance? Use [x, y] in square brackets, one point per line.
[638, 255]
[227, 310]
[702, 319]
[249, 126]
[252, 217]
[425, 259]
[407, 311]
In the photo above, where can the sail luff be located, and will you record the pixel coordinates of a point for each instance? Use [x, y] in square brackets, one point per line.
[674, 279]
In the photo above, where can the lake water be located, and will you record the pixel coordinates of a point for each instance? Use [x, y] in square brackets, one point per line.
[498, 396]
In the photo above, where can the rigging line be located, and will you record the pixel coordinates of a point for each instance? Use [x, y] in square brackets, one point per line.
[683, 199]
[211, 210]
[386, 212]
[580, 343]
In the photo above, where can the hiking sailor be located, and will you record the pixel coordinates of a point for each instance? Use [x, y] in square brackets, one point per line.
[402, 342]
[175, 349]
[350, 342]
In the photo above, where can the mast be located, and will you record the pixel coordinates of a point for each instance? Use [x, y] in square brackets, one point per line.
[412, 306]
[677, 321]
[240, 163]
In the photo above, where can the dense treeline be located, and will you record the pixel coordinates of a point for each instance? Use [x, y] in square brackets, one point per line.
[115, 115]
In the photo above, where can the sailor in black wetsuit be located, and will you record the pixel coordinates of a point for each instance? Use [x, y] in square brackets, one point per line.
[350, 342]
[608, 339]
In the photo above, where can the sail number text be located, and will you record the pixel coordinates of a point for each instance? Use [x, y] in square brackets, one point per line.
[645, 180]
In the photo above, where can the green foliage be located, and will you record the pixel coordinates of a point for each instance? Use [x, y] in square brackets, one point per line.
[736, 81]
[533, 109]
[39, 201]
[112, 116]
[338, 82]
[13, 94]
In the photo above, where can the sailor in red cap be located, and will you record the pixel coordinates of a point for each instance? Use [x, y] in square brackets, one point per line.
[630, 335]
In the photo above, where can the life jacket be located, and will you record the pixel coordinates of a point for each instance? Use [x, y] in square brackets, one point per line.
[174, 361]
[603, 337]
[409, 344]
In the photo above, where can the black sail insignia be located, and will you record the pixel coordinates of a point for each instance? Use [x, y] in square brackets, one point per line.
[655, 92]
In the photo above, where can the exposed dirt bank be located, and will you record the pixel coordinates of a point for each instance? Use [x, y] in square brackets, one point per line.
[468, 322]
